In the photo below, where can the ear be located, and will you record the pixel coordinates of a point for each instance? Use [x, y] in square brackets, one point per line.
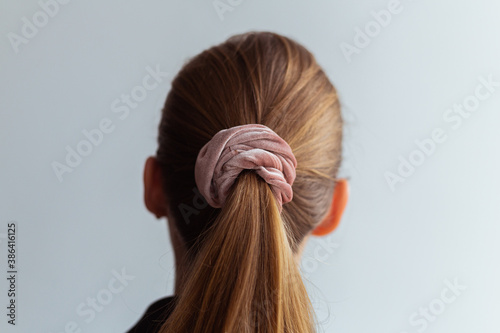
[154, 197]
[339, 201]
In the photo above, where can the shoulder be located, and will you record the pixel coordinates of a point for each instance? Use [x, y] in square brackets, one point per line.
[154, 316]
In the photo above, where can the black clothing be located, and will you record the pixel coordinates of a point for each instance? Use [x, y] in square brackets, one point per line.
[155, 316]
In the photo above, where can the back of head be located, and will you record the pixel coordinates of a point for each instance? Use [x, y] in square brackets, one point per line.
[242, 275]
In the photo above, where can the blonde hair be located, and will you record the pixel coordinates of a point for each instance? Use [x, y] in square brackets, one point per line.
[242, 276]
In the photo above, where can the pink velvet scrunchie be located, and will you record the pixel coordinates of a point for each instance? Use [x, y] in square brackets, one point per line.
[251, 146]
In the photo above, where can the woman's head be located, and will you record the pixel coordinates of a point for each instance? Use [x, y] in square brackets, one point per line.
[240, 256]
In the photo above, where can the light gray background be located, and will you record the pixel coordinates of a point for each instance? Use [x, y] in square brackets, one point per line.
[393, 250]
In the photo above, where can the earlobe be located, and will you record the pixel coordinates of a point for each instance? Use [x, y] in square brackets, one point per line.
[339, 202]
[154, 197]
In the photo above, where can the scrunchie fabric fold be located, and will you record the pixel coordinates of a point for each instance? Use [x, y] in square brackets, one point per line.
[232, 150]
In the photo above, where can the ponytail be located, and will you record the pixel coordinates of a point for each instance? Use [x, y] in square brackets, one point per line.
[244, 278]
[239, 273]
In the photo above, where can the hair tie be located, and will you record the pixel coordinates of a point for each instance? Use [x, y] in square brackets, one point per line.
[232, 150]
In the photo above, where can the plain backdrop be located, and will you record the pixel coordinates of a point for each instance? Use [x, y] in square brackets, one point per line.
[391, 265]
